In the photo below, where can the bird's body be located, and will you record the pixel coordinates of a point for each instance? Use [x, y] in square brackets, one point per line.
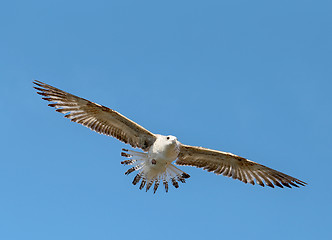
[155, 163]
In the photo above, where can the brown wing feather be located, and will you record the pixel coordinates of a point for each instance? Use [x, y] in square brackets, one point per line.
[231, 165]
[96, 117]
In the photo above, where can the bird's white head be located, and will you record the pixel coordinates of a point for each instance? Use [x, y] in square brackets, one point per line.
[172, 142]
[166, 145]
[170, 139]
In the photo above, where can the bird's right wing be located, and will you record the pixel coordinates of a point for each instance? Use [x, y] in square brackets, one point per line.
[96, 117]
[231, 165]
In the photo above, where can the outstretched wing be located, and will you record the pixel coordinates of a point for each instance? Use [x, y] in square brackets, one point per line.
[96, 117]
[231, 165]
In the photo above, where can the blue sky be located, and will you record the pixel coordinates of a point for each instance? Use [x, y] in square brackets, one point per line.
[249, 77]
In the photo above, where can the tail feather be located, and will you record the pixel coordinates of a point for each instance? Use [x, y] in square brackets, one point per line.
[139, 160]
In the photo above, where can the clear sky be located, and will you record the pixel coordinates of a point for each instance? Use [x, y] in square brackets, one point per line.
[249, 77]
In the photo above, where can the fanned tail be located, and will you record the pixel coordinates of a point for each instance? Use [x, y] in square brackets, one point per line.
[139, 159]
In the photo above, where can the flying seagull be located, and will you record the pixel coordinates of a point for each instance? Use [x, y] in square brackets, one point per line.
[154, 164]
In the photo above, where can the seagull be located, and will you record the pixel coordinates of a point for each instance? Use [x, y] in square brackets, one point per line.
[154, 165]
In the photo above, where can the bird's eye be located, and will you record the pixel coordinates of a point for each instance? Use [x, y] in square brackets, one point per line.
[167, 138]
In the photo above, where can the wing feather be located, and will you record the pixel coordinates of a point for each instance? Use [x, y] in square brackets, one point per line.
[231, 165]
[96, 117]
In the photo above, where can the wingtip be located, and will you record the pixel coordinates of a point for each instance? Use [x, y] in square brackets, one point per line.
[301, 183]
[39, 83]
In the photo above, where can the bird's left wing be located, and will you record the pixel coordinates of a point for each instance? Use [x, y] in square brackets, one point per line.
[231, 165]
[96, 117]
